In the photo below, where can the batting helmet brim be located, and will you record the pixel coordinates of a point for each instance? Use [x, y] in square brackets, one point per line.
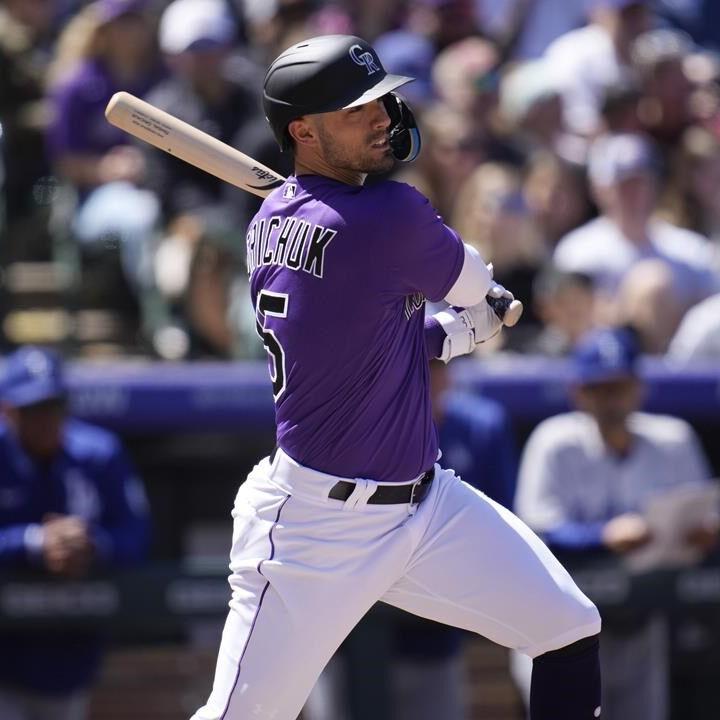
[386, 85]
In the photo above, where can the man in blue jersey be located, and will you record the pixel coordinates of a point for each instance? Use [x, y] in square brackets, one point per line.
[69, 501]
[352, 508]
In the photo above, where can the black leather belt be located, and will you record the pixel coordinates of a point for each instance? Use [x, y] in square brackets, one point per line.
[400, 494]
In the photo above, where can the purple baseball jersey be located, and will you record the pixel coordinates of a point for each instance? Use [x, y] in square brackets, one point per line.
[339, 277]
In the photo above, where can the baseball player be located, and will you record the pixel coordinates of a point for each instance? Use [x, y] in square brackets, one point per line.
[352, 507]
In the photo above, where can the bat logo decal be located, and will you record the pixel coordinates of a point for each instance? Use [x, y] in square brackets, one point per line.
[268, 186]
[261, 174]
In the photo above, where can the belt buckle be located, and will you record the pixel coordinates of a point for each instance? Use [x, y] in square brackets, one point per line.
[415, 486]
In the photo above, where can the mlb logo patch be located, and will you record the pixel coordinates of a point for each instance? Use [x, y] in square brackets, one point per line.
[289, 191]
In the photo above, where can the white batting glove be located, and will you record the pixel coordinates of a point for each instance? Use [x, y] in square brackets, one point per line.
[467, 328]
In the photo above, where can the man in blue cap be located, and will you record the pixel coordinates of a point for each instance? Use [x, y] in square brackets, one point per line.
[69, 501]
[585, 480]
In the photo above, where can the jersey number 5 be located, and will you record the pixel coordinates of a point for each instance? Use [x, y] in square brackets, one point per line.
[274, 304]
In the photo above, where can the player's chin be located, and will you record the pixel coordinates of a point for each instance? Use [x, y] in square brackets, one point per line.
[381, 161]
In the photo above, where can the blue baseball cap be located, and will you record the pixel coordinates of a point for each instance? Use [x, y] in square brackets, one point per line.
[32, 375]
[605, 355]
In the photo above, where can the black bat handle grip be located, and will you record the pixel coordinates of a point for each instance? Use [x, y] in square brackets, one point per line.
[499, 305]
[508, 311]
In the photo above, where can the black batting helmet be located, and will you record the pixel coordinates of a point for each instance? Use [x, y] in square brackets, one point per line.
[333, 72]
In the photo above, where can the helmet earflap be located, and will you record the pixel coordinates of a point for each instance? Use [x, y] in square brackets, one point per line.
[405, 139]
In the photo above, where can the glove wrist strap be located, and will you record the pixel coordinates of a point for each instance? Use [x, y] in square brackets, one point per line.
[459, 333]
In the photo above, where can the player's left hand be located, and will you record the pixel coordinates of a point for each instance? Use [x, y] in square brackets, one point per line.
[503, 302]
[466, 328]
[489, 315]
[496, 290]
[486, 322]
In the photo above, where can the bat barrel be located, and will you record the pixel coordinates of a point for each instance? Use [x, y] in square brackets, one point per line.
[178, 138]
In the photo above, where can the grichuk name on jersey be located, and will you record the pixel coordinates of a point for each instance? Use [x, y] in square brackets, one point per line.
[299, 244]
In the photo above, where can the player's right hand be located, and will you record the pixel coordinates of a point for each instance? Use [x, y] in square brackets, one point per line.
[503, 302]
[497, 309]
[466, 328]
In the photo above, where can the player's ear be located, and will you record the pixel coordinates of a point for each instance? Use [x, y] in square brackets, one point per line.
[302, 131]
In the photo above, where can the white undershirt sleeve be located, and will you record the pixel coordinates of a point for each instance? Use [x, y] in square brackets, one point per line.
[473, 282]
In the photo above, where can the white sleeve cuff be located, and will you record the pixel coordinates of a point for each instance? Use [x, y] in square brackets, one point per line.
[473, 282]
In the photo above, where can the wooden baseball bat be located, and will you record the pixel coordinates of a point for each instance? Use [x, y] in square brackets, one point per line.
[178, 138]
[186, 142]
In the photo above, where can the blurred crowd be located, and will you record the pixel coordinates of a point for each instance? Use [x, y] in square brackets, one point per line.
[576, 143]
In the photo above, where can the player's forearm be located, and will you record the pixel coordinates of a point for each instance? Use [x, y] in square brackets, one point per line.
[479, 309]
[473, 283]
[465, 328]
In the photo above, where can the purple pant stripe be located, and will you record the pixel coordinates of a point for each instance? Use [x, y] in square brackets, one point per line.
[257, 612]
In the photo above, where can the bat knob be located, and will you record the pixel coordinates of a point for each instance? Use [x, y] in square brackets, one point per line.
[509, 311]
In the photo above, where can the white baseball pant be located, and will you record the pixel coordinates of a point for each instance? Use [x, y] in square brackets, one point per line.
[306, 568]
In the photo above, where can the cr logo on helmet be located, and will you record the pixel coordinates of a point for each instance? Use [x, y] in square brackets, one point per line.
[364, 58]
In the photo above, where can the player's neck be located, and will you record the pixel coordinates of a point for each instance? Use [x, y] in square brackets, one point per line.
[317, 166]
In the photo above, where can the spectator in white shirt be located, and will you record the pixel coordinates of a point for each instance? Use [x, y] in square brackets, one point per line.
[623, 172]
[593, 58]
